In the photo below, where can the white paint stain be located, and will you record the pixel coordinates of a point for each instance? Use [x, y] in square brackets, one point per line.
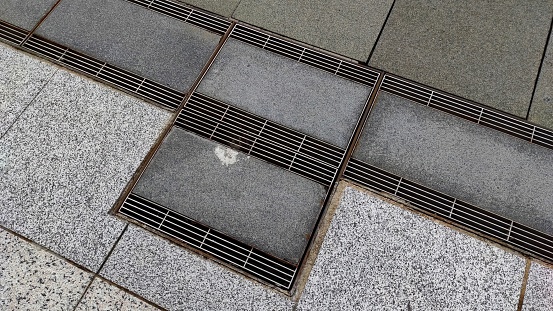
[227, 156]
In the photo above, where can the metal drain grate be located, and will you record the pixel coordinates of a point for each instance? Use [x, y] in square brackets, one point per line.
[224, 248]
[11, 33]
[185, 14]
[455, 210]
[467, 110]
[345, 69]
[261, 138]
[124, 79]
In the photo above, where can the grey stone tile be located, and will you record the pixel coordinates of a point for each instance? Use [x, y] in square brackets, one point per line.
[134, 38]
[66, 160]
[488, 52]
[32, 278]
[348, 28]
[378, 256]
[476, 164]
[255, 202]
[176, 279]
[280, 89]
[541, 111]
[224, 8]
[24, 13]
[22, 78]
[539, 289]
[103, 296]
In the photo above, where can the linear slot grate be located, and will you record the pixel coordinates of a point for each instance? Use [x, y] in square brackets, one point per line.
[11, 33]
[342, 68]
[466, 110]
[261, 138]
[186, 14]
[448, 207]
[220, 246]
[122, 78]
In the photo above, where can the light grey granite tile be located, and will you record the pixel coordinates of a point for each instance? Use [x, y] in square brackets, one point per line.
[103, 296]
[177, 279]
[539, 289]
[132, 37]
[280, 89]
[21, 79]
[32, 278]
[24, 13]
[350, 27]
[66, 160]
[486, 51]
[224, 8]
[378, 256]
[541, 110]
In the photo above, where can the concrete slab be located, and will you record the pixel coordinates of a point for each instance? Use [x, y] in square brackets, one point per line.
[176, 279]
[22, 78]
[66, 160]
[349, 28]
[280, 89]
[24, 13]
[541, 111]
[224, 8]
[488, 52]
[103, 296]
[378, 256]
[539, 289]
[32, 278]
[473, 163]
[134, 38]
[246, 198]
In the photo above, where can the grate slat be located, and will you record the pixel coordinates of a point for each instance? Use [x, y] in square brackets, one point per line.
[11, 33]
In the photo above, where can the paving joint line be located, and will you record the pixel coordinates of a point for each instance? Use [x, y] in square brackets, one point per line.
[380, 32]
[547, 45]
[40, 22]
[524, 283]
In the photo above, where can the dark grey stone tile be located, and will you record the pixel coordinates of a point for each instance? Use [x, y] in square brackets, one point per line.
[255, 202]
[486, 51]
[24, 13]
[224, 8]
[541, 111]
[476, 164]
[134, 38]
[280, 89]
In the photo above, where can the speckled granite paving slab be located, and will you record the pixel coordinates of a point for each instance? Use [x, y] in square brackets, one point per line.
[378, 256]
[24, 13]
[176, 279]
[488, 52]
[539, 289]
[250, 200]
[66, 160]
[32, 278]
[541, 111]
[280, 89]
[224, 8]
[349, 28]
[103, 296]
[134, 38]
[473, 163]
[21, 79]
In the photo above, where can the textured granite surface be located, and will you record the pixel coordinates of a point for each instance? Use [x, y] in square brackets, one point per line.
[32, 278]
[177, 279]
[539, 289]
[123, 34]
[344, 27]
[21, 79]
[378, 256]
[486, 51]
[224, 8]
[255, 202]
[280, 89]
[24, 13]
[66, 160]
[476, 164]
[103, 296]
[541, 111]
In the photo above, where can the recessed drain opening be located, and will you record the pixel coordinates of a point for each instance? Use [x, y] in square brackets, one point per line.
[11, 33]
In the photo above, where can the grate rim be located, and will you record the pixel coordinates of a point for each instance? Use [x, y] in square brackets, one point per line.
[226, 249]
[456, 211]
[12, 34]
[345, 69]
